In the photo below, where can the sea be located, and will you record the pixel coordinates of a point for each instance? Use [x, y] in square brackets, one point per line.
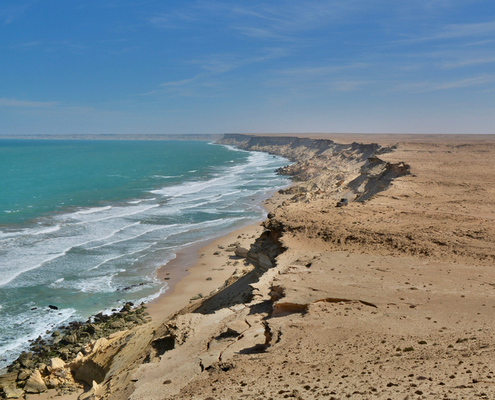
[84, 225]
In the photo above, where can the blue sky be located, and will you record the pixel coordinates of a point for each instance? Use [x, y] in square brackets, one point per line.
[144, 66]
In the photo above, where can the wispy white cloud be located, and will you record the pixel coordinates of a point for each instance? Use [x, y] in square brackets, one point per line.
[26, 104]
[282, 20]
[310, 72]
[182, 82]
[455, 31]
[9, 14]
[429, 86]
[349, 86]
[28, 44]
[173, 20]
[467, 62]
[213, 69]
[467, 83]
[225, 62]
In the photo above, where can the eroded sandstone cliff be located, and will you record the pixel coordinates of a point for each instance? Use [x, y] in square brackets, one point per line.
[324, 169]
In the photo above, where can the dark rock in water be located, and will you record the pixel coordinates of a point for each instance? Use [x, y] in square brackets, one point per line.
[127, 307]
[34, 308]
[52, 307]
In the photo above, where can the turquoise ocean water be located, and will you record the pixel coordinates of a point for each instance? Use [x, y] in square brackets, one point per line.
[85, 224]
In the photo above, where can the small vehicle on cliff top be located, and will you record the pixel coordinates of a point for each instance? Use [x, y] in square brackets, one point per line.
[342, 202]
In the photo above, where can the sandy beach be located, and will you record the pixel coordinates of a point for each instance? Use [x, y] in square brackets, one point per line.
[200, 271]
[390, 297]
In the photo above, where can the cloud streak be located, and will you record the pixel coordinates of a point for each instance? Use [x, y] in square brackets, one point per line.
[9, 14]
[424, 87]
[26, 104]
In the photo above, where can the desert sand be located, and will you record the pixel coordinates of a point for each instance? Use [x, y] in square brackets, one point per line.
[390, 297]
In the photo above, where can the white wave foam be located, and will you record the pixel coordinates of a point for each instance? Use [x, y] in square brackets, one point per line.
[93, 210]
[112, 234]
[48, 230]
[160, 227]
[121, 215]
[17, 273]
[37, 325]
[96, 284]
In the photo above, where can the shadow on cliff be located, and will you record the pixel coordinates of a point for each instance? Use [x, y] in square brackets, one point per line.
[376, 176]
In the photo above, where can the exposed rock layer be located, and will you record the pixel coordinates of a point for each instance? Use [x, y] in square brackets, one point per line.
[325, 169]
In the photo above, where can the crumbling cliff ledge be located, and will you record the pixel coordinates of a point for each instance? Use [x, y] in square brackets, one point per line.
[324, 169]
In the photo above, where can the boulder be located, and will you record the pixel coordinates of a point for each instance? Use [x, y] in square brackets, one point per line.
[35, 383]
[26, 360]
[52, 382]
[57, 363]
[241, 252]
[70, 338]
[23, 374]
[12, 392]
[264, 261]
[7, 379]
[91, 329]
[93, 393]
[117, 324]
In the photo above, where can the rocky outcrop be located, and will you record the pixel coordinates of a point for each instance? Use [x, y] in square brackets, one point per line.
[50, 365]
[35, 383]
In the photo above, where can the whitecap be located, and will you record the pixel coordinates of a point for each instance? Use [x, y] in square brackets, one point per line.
[93, 210]
[48, 230]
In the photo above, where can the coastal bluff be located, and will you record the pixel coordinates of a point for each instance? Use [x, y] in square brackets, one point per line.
[389, 297]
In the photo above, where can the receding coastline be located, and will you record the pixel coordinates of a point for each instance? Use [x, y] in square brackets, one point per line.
[391, 278]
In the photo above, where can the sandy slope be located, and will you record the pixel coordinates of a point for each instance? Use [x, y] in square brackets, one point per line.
[390, 298]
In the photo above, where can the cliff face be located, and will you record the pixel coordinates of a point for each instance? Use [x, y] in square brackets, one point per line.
[298, 149]
[324, 169]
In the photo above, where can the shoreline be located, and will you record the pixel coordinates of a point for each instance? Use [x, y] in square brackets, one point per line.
[196, 269]
[202, 267]
[249, 212]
